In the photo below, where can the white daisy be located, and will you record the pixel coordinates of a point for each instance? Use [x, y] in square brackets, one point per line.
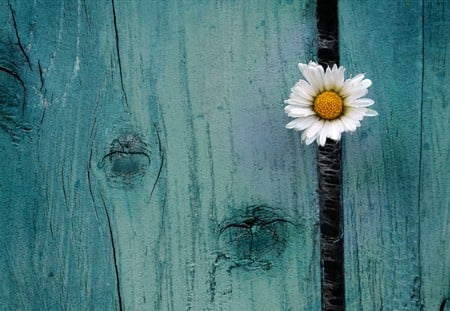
[324, 105]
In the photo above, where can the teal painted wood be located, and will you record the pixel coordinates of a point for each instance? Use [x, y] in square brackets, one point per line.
[147, 163]
[435, 173]
[56, 245]
[382, 160]
[396, 189]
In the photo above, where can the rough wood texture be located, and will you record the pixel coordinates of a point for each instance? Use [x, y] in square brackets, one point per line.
[396, 190]
[147, 163]
[435, 157]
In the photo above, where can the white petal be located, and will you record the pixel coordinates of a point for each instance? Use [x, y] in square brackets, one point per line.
[334, 129]
[289, 108]
[312, 75]
[313, 64]
[357, 79]
[348, 123]
[355, 88]
[353, 91]
[370, 113]
[356, 114]
[338, 78]
[319, 78]
[321, 72]
[304, 89]
[345, 89]
[366, 83]
[308, 140]
[297, 112]
[361, 102]
[305, 70]
[328, 79]
[340, 125]
[297, 101]
[324, 134]
[294, 124]
[307, 88]
[314, 128]
[305, 122]
[301, 94]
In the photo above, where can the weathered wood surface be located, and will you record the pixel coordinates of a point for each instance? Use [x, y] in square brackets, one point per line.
[396, 190]
[145, 165]
[435, 157]
[145, 162]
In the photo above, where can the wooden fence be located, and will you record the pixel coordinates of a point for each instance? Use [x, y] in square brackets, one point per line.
[145, 164]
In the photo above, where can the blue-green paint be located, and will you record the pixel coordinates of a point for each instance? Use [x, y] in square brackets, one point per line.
[396, 193]
[435, 156]
[124, 177]
[151, 130]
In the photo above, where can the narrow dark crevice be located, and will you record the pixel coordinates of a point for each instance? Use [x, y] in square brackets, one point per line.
[90, 183]
[161, 155]
[41, 77]
[114, 253]
[418, 287]
[108, 218]
[116, 34]
[443, 304]
[327, 32]
[64, 189]
[13, 16]
[330, 175]
[88, 169]
[331, 226]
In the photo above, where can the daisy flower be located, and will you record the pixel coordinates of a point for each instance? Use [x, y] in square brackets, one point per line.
[325, 106]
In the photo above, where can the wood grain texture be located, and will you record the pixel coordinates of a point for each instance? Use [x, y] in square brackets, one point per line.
[382, 159]
[396, 188]
[435, 172]
[147, 163]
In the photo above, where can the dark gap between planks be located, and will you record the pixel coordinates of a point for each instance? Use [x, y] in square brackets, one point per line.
[330, 175]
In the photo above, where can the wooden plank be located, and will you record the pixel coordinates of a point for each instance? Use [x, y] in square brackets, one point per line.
[153, 170]
[435, 173]
[383, 39]
[56, 244]
[217, 69]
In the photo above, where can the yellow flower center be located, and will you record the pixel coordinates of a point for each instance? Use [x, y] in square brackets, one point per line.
[328, 105]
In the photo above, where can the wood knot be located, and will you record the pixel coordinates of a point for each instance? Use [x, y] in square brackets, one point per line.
[127, 160]
[255, 237]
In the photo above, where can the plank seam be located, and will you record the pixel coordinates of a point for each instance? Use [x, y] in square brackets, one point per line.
[329, 169]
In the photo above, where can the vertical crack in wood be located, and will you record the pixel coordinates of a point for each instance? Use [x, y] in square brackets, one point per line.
[13, 16]
[114, 253]
[418, 281]
[108, 219]
[161, 155]
[116, 35]
[443, 304]
[330, 175]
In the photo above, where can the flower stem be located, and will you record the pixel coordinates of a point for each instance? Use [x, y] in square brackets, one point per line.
[331, 226]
